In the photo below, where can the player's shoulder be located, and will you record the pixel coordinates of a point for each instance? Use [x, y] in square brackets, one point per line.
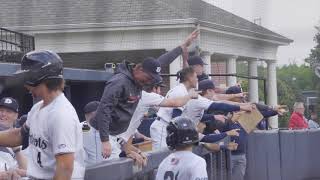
[36, 106]
[63, 109]
[190, 155]
[146, 95]
[180, 90]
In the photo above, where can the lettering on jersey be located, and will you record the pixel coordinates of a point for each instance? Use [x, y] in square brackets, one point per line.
[169, 175]
[38, 142]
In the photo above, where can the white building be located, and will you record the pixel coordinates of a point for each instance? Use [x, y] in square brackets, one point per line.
[89, 33]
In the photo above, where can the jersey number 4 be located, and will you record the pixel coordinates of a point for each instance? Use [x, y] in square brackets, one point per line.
[169, 175]
[39, 159]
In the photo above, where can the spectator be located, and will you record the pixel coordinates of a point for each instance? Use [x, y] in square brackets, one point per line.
[11, 158]
[297, 119]
[312, 122]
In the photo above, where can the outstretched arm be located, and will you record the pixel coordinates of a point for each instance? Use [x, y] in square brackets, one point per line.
[11, 137]
[170, 56]
[179, 101]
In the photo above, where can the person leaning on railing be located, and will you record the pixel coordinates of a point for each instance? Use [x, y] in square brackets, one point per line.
[238, 157]
[122, 94]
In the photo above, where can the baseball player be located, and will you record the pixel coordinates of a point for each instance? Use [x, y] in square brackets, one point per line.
[238, 157]
[188, 80]
[198, 64]
[122, 94]
[91, 137]
[182, 163]
[53, 128]
[152, 98]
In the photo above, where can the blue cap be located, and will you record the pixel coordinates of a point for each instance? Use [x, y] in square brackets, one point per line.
[196, 60]
[9, 103]
[91, 107]
[233, 90]
[152, 67]
[206, 84]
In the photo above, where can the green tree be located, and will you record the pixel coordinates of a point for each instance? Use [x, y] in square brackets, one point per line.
[292, 79]
[314, 60]
[314, 57]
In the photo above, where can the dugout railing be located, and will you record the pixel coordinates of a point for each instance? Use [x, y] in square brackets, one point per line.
[218, 166]
[271, 155]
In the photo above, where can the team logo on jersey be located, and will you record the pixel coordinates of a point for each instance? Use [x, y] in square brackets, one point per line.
[174, 161]
[38, 142]
[61, 146]
[133, 99]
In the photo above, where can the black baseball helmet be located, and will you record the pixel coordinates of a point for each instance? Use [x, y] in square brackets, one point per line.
[181, 132]
[37, 66]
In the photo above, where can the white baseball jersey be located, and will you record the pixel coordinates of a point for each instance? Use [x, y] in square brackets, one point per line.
[7, 160]
[182, 165]
[54, 129]
[147, 100]
[165, 113]
[195, 108]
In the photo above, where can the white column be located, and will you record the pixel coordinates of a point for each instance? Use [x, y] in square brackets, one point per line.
[272, 90]
[253, 83]
[174, 67]
[231, 69]
[206, 57]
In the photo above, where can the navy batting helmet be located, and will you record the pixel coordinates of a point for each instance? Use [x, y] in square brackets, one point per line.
[181, 132]
[37, 66]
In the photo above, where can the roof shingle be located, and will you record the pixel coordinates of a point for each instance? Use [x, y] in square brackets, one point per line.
[60, 12]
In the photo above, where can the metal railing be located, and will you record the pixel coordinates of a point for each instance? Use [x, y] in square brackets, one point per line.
[218, 166]
[13, 45]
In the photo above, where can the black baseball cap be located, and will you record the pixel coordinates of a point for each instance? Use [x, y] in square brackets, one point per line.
[206, 84]
[196, 60]
[9, 103]
[152, 67]
[233, 90]
[91, 107]
[160, 84]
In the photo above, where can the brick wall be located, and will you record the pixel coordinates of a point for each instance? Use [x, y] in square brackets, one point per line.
[219, 67]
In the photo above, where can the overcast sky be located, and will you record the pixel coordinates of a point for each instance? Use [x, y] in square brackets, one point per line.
[294, 19]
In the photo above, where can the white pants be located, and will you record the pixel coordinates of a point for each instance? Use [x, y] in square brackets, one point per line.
[158, 133]
[116, 148]
[92, 147]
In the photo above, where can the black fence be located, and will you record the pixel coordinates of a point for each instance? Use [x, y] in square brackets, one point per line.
[13, 45]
